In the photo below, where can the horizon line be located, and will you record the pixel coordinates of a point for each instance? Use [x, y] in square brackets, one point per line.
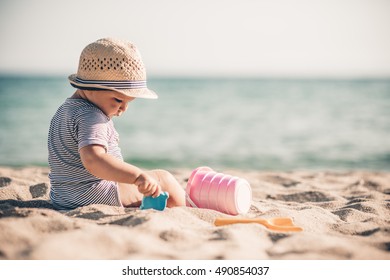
[154, 76]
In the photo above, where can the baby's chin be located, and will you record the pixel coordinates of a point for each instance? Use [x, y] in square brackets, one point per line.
[117, 114]
[114, 115]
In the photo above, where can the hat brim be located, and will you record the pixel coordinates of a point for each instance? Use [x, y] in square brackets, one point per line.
[138, 92]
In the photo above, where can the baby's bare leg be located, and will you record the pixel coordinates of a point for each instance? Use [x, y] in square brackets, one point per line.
[131, 197]
[169, 184]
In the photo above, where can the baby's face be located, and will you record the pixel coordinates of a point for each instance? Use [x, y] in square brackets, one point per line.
[112, 103]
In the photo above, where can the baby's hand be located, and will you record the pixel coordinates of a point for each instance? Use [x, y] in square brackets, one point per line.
[147, 185]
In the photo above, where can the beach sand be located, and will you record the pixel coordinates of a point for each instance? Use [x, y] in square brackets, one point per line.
[345, 215]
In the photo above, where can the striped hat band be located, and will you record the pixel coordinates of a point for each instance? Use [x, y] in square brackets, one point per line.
[113, 84]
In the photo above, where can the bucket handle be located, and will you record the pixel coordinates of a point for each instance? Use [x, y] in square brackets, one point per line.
[190, 200]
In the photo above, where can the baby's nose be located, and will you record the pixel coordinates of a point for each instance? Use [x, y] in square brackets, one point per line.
[124, 106]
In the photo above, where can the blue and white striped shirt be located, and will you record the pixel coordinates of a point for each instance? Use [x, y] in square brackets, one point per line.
[76, 124]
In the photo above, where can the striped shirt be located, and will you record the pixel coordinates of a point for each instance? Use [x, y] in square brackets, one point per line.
[76, 124]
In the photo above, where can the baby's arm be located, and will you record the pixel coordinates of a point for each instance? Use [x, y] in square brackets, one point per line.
[104, 166]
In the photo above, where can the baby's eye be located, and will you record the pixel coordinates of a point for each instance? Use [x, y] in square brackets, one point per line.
[118, 100]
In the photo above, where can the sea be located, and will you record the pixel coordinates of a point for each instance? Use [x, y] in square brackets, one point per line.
[240, 123]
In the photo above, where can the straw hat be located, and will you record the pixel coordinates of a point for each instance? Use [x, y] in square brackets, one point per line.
[112, 64]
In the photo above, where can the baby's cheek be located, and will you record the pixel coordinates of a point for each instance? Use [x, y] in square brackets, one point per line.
[115, 107]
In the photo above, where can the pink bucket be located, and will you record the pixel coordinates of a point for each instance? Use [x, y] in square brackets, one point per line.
[225, 193]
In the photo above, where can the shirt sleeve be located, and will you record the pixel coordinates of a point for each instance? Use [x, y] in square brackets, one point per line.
[92, 128]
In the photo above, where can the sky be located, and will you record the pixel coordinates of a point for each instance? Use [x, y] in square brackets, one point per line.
[289, 38]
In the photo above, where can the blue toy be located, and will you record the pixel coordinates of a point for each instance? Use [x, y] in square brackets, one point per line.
[158, 203]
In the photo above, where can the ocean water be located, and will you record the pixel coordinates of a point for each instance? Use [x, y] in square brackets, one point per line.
[262, 124]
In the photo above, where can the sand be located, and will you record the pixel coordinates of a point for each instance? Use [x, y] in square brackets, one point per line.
[345, 216]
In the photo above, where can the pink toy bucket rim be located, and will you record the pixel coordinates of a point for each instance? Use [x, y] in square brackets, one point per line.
[238, 205]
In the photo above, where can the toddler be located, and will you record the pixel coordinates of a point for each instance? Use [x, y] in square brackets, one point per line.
[86, 165]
